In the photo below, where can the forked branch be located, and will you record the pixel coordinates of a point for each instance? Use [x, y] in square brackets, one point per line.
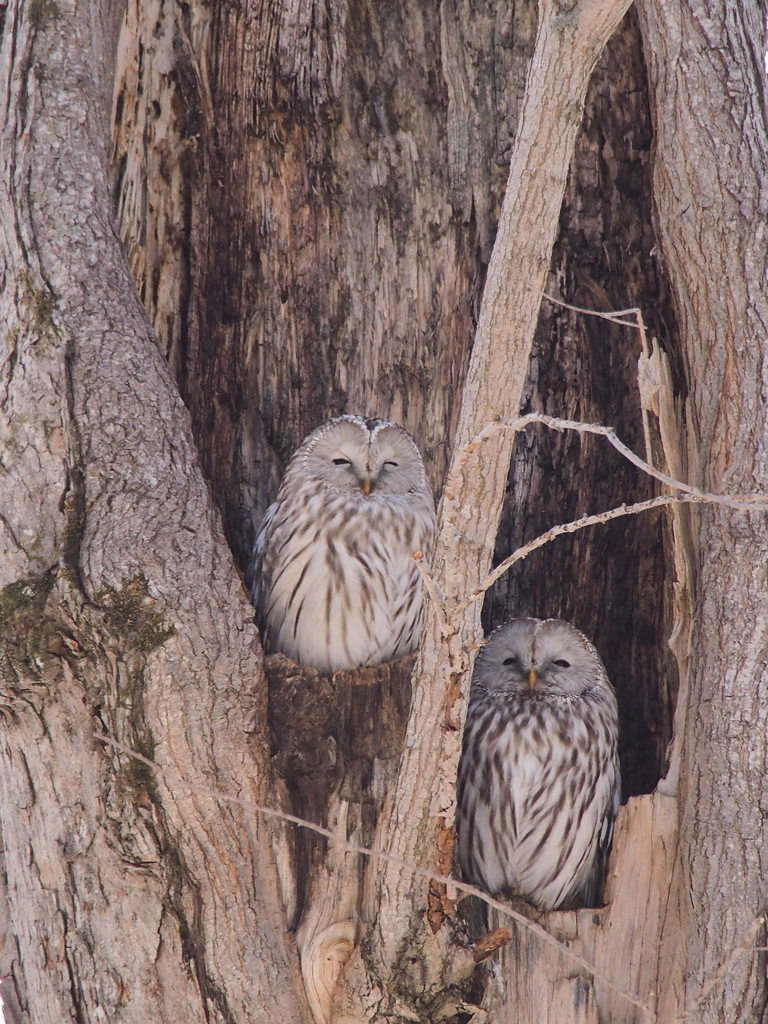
[686, 493]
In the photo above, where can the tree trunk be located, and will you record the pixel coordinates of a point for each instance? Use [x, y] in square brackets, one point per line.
[709, 183]
[122, 612]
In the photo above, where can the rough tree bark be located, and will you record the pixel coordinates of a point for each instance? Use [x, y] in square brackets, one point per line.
[122, 611]
[707, 78]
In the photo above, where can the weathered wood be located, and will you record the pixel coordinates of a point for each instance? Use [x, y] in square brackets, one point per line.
[298, 146]
[309, 197]
[337, 221]
[336, 742]
[534, 983]
[336, 738]
[476, 56]
[709, 187]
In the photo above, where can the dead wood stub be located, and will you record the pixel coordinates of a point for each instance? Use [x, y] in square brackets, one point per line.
[336, 735]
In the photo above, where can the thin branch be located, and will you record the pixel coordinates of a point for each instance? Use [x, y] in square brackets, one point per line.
[744, 502]
[614, 315]
[572, 527]
[745, 946]
[689, 494]
[434, 592]
[469, 890]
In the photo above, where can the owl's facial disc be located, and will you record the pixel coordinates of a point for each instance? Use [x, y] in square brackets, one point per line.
[395, 463]
[564, 663]
[504, 664]
[340, 457]
[350, 473]
[380, 459]
[531, 656]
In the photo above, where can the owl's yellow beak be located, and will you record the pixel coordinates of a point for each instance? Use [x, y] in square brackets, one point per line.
[532, 677]
[367, 486]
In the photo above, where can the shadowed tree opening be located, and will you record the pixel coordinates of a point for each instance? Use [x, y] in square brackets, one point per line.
[339, 229]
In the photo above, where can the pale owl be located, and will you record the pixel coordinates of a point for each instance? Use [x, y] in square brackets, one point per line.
[539, 783]
[333, 574]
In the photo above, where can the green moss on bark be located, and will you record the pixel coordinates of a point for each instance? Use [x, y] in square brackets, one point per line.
[24, 630]
[131, 612]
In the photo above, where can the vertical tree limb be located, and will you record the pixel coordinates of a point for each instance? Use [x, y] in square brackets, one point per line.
[570, 38]
[127, 901]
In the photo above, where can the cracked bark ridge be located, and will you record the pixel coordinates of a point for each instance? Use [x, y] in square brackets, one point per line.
[116, 496]
[707, 81]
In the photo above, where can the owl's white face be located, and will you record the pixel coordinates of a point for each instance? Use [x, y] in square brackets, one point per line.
[364, 457]
[535, 657]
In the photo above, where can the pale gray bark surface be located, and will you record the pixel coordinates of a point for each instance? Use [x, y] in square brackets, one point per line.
[127, 902]
[707, 78]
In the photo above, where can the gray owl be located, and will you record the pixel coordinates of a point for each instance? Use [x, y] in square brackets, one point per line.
[539, 783]
[333, 575]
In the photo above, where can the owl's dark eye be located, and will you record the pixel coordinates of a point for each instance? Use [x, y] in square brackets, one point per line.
[510, 661]
[562, 663]
[342, 462]
[391, 464]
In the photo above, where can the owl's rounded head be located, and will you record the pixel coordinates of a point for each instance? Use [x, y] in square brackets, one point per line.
[363, 456]
[541, 658]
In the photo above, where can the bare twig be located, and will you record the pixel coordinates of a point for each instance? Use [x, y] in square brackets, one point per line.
[752, 502]
[745, 946]
[469, 890]
[434, 592]
[572, 527]
[744, 502]
[615, 315]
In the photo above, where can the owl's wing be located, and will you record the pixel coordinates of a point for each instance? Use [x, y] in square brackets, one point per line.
[591, 892]
[253, 576]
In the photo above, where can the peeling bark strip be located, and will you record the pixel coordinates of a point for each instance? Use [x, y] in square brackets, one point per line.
[127, 902]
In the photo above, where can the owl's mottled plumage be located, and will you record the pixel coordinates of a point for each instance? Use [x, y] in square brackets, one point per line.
[539, 783]
[333, 574]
